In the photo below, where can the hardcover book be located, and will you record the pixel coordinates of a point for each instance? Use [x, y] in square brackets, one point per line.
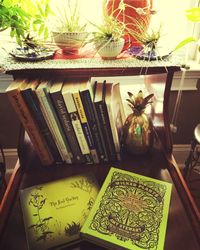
[130, 212]
[54, 212]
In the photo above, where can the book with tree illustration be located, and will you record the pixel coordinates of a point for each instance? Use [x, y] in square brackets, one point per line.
[130, 212]
[55, 212]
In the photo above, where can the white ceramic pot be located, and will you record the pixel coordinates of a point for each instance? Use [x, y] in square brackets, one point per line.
[110, 50]
[69, 41]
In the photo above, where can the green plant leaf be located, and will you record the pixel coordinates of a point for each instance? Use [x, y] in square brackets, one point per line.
[193, 14]
[184, 42]
[37, 21]
[41, 29]
[46, 33]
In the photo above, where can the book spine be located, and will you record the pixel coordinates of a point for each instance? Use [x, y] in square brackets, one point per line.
[67, 126]
[30, 126]
[94, 124]
[85, 126]
[73, 113]
[53, 124]
[106, 130]
[33, 105]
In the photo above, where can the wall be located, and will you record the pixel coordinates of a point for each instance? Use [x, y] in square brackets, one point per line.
[188, 116]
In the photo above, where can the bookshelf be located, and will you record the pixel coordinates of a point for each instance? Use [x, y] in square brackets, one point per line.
[183, 222]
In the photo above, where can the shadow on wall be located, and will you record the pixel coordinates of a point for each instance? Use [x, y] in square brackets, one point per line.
[188, 115]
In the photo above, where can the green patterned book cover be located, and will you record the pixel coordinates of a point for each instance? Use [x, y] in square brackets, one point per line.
[130, 212]
[55, 212]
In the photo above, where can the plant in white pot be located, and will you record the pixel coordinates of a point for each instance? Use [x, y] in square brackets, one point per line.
[108, 37]
[69, 32]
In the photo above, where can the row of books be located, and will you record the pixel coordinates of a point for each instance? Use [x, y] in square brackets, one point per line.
[72, 122]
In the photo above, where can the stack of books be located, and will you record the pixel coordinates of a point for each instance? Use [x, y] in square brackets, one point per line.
[71, 122]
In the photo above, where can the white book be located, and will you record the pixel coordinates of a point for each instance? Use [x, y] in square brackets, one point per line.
[52, 120]
[115, 114]
[73, 113]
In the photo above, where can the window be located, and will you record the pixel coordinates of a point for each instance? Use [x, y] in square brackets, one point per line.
[170, 15]
[176, 27]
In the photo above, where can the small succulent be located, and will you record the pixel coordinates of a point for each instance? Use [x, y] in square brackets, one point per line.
[138, 103]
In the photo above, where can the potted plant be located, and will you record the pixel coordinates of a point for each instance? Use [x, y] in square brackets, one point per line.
[148, 40]
[69, 32]
[39, 12]
[131, 12]
[28, 24]
[108, 36]
[15, 18]
[119, 26]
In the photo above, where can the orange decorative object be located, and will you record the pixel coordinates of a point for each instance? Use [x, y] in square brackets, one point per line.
[132, 13]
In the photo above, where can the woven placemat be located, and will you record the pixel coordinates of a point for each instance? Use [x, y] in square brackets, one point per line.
[8, 63]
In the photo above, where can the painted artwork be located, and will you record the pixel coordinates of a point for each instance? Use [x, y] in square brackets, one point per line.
[131, 211]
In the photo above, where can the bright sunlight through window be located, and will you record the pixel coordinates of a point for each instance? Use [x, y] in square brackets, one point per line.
[170, 17]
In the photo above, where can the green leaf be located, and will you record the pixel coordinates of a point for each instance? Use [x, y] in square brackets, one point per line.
[193, 14]
[39, 8]
[184, 42]
[41, 29]
[46, 33]
[37, 21]
[12, 33]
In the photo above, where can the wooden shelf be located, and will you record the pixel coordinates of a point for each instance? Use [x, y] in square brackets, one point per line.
[154, 165]
[183, 232]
